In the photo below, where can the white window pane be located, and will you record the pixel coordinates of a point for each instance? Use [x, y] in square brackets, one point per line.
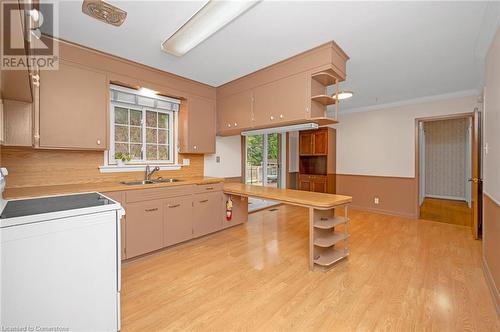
[136, 151]
[121, 115]
[162, 136]
[125, 97]
[135, 117]
[121, 133]
[151, 135]
[163, 153]
[121, 148]
[151, 119]
[163, 119]
[164, 105]
[135, 135]
[151, 152]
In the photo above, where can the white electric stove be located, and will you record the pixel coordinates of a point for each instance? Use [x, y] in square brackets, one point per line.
[60, 262]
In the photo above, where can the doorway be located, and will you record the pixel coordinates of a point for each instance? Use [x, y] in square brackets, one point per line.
[447, 165]
[263, 165]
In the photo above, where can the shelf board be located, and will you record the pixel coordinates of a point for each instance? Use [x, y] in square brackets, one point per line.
[324, 99]
[330, 222]
[329, 257]
[329, 239]
[325, 78]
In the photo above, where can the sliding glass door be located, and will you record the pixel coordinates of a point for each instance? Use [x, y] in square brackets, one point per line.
[263, 160]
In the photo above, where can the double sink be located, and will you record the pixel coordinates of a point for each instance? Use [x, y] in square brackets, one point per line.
[143, 182]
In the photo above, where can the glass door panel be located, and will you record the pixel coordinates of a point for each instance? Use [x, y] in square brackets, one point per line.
[272, 150]
[254, 159]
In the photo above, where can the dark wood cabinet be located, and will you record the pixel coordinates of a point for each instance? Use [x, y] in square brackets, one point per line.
[317, 160]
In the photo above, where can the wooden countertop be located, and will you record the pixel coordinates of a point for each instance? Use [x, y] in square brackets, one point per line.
[26, 192]
[288, 196]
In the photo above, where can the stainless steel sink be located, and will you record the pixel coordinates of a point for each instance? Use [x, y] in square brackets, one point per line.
[162, 180]
[137, 183]
[143, 182]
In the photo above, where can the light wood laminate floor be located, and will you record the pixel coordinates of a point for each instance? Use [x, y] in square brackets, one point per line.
[402, 275]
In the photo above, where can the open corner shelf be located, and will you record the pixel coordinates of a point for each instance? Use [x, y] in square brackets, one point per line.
[327, 258]
[325, 78]
[330, 222]
[330, 239]
[324, 99]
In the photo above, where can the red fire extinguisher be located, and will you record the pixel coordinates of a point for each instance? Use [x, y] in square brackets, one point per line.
[229, 209]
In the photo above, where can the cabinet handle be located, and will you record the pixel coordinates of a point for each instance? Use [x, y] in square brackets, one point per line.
[229, 125]
[98, 142]
[272, 118]
[204, 201]
[236, 124]
[151, 210]
[209, 188]
[281, 116]
[195, 147]
[174, 206]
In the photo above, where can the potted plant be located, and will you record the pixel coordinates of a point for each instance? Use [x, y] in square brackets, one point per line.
[122, 158]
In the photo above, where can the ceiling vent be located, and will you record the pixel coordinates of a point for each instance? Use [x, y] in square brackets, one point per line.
[103, 11]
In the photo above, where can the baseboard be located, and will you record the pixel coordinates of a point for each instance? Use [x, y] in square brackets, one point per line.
[495, 295]
[382, 211]
[452, 198]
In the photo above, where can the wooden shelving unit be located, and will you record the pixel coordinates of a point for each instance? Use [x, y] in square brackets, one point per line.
[324, 100]
[327, 243]
[325, 78]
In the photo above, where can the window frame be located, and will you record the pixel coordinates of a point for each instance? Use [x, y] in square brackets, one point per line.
[172, 122]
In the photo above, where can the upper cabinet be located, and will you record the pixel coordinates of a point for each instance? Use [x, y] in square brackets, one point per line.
[290, 92]
[197, 126]
[279, 101]
[73, 108]
[234, 111]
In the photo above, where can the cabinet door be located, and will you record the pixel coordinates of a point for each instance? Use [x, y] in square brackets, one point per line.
[234, 111]
[305, 183]
[73, 108]
[320, 142]
[178, 220]
[201, 126]
[239, 211]
[144, 227]
[306, 140]
[207, 213]
[280, 101]
[319, 184]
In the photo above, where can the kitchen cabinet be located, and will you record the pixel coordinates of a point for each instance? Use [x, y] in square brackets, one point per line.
[197, 126]
[234, 112]
[144, 228]
[282, 100]
[207, 213]
[17, 126]
[178, 220]
[73, 108]
[317, 160]
[313, 142]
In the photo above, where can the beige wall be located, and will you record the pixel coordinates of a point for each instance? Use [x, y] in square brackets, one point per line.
[491, 176]
[382, 143]
[229, 150]
[445, 158]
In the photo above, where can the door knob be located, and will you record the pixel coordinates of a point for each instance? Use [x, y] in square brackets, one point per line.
[475, 180]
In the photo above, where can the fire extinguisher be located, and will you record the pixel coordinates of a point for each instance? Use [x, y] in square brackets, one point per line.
[229, 209]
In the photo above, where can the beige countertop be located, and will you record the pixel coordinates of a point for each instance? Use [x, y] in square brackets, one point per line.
[288, 196]
[25, 192]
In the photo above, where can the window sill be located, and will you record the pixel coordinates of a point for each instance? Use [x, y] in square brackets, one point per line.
[135, 168]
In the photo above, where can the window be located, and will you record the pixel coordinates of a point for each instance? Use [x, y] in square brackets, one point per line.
[142, 126]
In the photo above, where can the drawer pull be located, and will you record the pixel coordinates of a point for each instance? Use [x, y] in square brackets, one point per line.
[151, 210]
[204, 201]
[209, 188]
[174, 206]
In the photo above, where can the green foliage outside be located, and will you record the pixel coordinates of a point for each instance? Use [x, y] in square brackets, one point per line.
[255, 147]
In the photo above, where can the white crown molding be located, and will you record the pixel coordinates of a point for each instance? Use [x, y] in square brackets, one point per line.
[452, 95]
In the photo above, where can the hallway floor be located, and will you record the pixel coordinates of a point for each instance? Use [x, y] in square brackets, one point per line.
[447, 211]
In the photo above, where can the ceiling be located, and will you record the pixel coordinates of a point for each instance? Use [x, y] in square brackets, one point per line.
[398, 50]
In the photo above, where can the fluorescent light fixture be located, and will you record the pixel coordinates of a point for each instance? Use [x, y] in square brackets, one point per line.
[284, 129]
[148, 92]
[343, 95]
[207, 21]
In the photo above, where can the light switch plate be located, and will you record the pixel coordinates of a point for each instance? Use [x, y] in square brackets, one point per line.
[217, 159]
[186, 162]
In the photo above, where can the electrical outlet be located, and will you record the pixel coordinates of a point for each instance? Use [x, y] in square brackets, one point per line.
[217, 159]
[376, 200]
[186, 162]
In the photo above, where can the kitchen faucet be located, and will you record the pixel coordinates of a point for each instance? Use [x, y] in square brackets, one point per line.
[148, 173]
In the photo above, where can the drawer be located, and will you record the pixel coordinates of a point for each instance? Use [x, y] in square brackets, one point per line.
[206, 188]
[158, 193]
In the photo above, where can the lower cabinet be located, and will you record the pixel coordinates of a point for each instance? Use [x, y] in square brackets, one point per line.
[178, 220]
[207, 210]
[144, 227]
[316, 183]
[239, 213]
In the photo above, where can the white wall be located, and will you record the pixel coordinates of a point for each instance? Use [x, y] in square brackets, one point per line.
[491, 127]
[229, 150]
[382, 142]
